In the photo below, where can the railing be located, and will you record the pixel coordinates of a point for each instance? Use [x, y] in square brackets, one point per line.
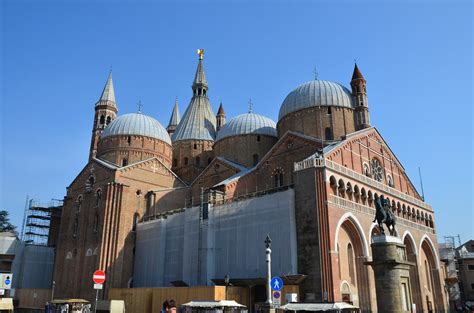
[346, 204]
[466, 255]
[315, 162]
[308, 163]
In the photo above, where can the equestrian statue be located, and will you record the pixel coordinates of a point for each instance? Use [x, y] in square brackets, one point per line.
[383, 214]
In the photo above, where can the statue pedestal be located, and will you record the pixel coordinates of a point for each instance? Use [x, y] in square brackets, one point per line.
[392, 277]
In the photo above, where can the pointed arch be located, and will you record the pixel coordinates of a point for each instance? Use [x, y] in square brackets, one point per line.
[360, 230]
[407, 235]
[431, 246]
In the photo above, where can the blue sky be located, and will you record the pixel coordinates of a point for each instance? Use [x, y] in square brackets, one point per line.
[416, 57]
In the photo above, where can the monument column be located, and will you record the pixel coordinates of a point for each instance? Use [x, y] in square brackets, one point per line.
[392, 275]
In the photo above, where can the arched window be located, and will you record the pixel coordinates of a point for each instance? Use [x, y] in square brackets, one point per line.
[129, 140]
[366, 169]
[389, 180]
[195, 146]
[124, 162]
[96, 223]
[185, 161]
[79, 204]
[109, 119]
[328, 133]
[350, 263]
[258, 138]
[278, 177]
[98, 197]
[427, 273]
[135, 221]
[255, 159]
[198, 161]
[175, 162]
[339, 261]
[75, 228]
[329, 110]
[102, 120]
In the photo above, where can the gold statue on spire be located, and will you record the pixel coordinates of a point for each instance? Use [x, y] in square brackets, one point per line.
[201, 53]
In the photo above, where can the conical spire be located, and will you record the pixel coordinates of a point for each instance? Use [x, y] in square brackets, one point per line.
[175, 118]
[108, 93]
[200, 77]
[220, 111]
[199, 121]
[357, 74]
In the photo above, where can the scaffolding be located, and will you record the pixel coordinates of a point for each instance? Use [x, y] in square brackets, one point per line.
[37, 221]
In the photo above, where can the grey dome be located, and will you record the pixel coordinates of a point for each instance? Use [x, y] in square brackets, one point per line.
[248, 123]
[137, 124]
[316, 93]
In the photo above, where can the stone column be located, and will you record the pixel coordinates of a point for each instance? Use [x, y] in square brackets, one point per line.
[392, 275]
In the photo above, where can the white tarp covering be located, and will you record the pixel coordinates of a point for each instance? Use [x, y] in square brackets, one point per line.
[232, 243]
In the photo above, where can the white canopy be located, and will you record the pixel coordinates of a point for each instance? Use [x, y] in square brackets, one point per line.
[214, 304]
[317, 306]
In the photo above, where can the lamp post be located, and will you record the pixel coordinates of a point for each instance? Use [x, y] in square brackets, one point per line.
[226, 280]
[52, 291]
[268, 259]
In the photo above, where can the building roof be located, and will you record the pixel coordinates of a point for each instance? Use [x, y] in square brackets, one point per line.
[357, 74]
[220, 111]
[175, 118]
[137, 124]
[108, 94]
[200, 77]
[316, 93]
[199, 121]
[248, 123]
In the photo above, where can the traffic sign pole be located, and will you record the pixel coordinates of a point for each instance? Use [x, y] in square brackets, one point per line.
[96, 298]
[99, 278]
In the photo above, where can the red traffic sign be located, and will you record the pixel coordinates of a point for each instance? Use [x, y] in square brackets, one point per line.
[99, 277]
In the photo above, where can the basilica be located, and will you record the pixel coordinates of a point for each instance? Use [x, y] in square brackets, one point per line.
[191, 203]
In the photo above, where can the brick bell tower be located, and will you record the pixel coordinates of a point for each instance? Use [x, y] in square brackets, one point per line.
[105, 112]
[359, 95]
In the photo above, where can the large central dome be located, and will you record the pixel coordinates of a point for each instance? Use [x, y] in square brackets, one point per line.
[316, 93]
[137, 124]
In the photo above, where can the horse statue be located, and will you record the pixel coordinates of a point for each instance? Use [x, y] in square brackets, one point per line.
[384, 215]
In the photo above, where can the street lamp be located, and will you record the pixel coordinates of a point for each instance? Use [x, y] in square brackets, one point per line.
[268, 259]
[226, 280]
[52, 291]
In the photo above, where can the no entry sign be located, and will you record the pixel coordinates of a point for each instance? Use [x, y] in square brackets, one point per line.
[99, 277]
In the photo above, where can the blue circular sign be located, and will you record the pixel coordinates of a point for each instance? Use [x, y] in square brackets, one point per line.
[276, 283]
[7, 282]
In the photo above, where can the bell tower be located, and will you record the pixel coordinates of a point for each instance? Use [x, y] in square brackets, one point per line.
[220, 117]
[105, 112]
[359, 95]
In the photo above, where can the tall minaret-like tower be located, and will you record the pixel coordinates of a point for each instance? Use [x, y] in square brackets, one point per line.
[220, 117]
[105, 112]
[359, 94]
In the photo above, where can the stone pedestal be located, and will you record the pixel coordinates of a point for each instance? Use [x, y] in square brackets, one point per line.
[392, 274]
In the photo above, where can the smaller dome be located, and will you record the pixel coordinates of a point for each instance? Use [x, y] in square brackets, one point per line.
[137, 124]
[246, 124]
[316, 93]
